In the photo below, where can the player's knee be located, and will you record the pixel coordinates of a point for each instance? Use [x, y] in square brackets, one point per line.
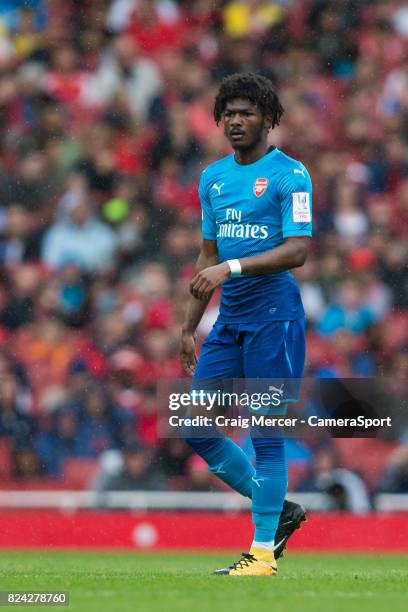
[270, 454]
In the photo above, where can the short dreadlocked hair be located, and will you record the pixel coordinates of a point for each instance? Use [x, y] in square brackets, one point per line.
[253, 87]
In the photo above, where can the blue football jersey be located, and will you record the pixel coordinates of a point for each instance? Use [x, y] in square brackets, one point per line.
[249, 209]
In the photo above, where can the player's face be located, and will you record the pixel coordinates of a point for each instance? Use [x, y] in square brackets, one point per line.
[244, 124]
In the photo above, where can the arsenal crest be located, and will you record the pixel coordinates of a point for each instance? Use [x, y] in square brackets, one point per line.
[260, 186]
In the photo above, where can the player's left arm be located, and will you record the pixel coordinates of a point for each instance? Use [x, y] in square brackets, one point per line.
[292, 253]
[295, 191]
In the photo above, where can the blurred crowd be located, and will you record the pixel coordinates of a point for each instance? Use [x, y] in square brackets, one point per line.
[105, 125]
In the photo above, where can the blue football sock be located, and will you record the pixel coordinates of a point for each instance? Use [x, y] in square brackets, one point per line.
[269, 485]
[227, 460]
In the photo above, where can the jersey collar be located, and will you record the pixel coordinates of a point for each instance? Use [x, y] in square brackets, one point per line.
[271, 151]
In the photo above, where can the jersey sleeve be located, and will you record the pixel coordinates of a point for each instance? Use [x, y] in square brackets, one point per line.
[295, 193]
[208, 226]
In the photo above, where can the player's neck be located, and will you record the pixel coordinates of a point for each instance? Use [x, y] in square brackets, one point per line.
[249, 156]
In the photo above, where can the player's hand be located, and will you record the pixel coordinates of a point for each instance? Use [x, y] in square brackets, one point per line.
[188, 356]
[208, 279]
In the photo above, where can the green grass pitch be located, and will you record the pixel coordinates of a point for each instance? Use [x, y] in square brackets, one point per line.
[167, 582]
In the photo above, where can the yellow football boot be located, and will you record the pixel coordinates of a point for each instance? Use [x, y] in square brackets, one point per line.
[263, 564]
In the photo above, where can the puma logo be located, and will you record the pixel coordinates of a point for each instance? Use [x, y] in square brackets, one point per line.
[257, 481]
[277, 389]
[296, 171]
[217, 187]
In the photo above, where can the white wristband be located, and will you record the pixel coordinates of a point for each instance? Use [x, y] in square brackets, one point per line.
[235, 267]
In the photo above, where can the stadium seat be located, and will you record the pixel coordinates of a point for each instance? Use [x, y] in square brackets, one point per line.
[395, 331]
[5, 459]
[78, 473]
[367, 456]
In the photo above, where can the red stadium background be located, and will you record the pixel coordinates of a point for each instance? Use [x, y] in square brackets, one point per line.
[105, 125]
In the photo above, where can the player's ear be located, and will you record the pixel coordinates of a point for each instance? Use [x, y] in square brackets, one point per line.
[267, 122]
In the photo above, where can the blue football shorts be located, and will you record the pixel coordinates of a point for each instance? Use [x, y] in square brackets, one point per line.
[273, 350]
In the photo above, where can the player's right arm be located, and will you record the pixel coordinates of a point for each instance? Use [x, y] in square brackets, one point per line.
[195, 309]
[208, 257]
